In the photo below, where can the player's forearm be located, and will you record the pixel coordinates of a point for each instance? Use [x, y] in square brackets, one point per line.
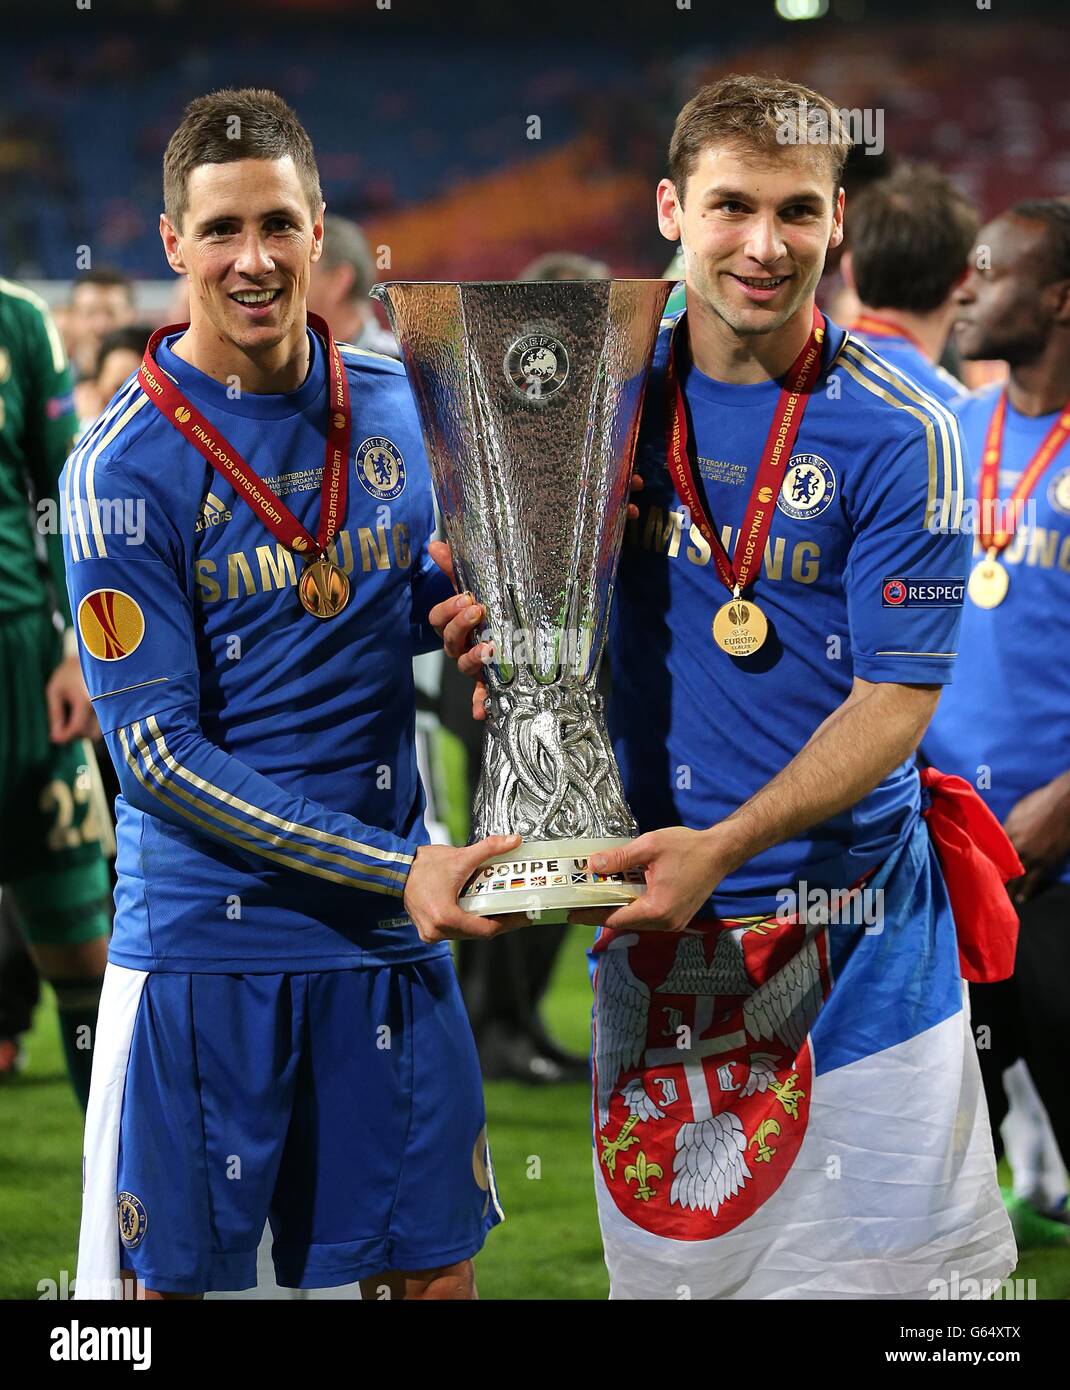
[168, 769]
[869, 735]
[1060, 790]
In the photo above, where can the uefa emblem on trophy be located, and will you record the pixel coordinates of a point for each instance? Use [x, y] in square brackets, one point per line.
[529, 395]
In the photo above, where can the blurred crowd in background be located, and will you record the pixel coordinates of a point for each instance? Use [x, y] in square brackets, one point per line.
[469, 159]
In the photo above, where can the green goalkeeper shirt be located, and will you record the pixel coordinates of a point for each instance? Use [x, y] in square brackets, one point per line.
[37, 424]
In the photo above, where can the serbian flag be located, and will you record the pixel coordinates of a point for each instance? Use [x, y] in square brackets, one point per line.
[977, 861]
[791, 1107]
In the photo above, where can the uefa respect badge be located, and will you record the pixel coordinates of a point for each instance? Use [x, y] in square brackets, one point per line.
[922, 593]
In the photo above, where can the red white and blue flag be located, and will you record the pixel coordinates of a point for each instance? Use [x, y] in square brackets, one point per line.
[789, 1109]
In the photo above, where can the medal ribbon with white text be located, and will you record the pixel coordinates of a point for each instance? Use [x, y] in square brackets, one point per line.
[174, 405]
[798, 381]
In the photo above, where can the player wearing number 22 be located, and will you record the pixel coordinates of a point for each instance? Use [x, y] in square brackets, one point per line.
[51, 833]
[787, 1098]
[276, 1040]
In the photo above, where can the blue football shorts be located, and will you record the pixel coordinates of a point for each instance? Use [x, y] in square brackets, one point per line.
[343, 1106]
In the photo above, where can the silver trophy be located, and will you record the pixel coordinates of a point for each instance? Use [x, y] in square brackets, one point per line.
[529, 395]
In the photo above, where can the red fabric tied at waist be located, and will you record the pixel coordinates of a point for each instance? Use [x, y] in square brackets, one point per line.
[977, 860]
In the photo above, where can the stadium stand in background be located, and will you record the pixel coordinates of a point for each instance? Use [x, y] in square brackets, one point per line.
[432, 138]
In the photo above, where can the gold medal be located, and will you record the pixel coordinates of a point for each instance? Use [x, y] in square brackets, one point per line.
[989, 579]
[740, 627]
[989, 582]
[323, 588]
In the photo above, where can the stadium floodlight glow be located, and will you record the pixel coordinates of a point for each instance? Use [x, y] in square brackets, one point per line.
[801, 9]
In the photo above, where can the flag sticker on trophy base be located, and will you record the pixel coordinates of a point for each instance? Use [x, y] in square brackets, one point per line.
[529, 396]
[540, 879]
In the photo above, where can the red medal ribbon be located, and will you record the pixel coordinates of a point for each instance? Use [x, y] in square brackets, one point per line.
[874, 327]
[735, 574]
[175, 407]
[988, 486]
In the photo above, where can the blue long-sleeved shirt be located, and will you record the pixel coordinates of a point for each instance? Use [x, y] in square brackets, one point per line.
[270, 802]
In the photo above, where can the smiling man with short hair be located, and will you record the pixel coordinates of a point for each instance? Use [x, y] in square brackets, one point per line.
[785, 617]
[787, 1098]
[276, 1040]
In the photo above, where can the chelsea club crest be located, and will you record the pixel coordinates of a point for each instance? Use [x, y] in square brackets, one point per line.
[380, 468]
[1059, 492]
[133, 1220]
[809, 486]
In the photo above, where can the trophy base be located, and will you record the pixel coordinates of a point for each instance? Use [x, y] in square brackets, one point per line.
[548, 879]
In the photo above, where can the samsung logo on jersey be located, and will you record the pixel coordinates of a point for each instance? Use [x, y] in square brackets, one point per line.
[922, 593]
[664, 532]
[271, 566]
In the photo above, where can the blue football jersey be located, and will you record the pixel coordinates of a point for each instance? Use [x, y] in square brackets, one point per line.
[270, 803]
[902, 354]
[1005, 726]
[862, 576]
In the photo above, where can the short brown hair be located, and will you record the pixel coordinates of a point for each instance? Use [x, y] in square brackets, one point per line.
[107, 278]
[756, 113]
[225, 126]
[345, 244]
[910, 236]
[565, 265]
